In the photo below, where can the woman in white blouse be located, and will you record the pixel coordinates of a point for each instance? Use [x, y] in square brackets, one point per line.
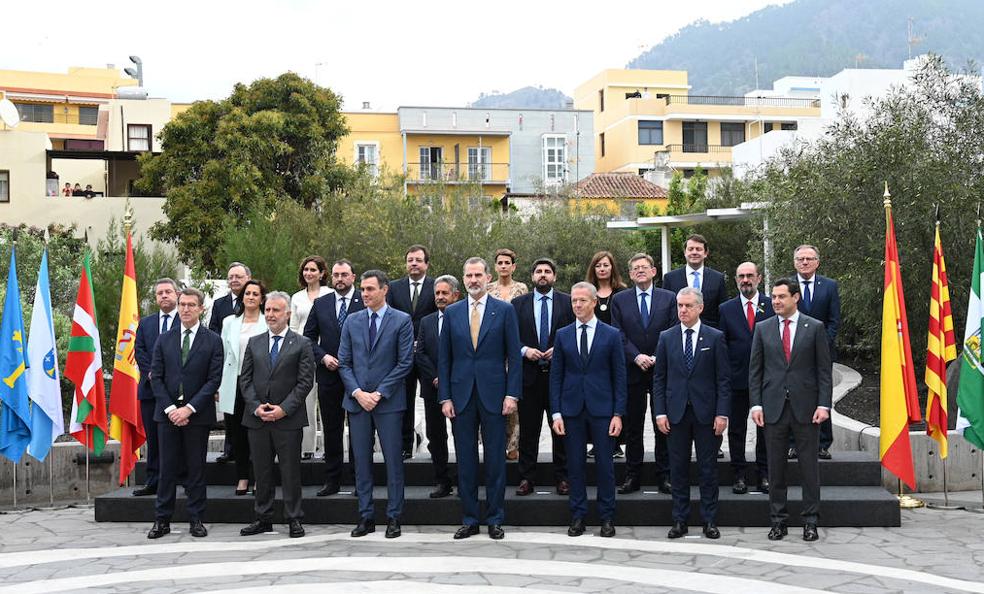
[237, 329]
[313, 277]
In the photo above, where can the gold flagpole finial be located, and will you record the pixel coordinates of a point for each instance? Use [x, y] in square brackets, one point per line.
[888, 197]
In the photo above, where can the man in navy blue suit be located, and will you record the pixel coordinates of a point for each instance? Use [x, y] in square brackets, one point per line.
[737, 319]
[695, 274]
[149, 328]
[691, 402]
[324, 330]
[641, 314]
[479, 383]
[186, 371]
[588, 399]
[375, 356]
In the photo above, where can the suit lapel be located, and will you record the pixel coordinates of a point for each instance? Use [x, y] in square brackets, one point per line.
[698, 343]
[487, 319]
[194, 344]
[802, 327]
[383, 324]
[287, 344]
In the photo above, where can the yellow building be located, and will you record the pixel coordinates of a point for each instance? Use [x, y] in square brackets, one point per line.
[646, 119]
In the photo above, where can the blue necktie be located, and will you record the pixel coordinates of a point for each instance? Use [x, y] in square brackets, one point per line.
[696, 279]
[644, 310]
[544, 324]
[164, 323]
[275, 350]
[584, 343]
[342, 313]
[807, 296]
[372, 329]
[688, 349]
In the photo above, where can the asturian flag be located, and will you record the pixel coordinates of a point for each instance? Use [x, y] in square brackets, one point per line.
[15, 410]
[42, 372]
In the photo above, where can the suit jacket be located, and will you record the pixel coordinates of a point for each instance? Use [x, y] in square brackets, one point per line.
[636, 339]
[425, 355]
[231, 366]
[398, 297]
[706, 386]
[221, 309]
[561, 316]
[738, 336]
[382, 366]
[825, 305]
[806, 380]
[494, 369]
[598, 386]
[197, 380]
[287, 383]
[148, 330]
[325, 335]
[711, 287]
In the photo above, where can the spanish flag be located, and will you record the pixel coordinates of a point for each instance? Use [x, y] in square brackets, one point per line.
[899, 404]
[940, 348]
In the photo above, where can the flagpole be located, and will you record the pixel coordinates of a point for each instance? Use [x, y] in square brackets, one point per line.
[51, 482]
[15, 484]
[88, 431]
[946, 495]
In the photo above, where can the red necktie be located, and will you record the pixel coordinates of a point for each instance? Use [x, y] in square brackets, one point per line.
[750, 316]
[786, 347]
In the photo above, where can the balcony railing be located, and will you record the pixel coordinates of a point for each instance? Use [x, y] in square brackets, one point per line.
[458, 173]
[743, 101]
[698, 148]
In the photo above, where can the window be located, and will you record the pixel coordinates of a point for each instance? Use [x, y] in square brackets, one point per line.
[88, 116]
[36, 112]
[732, 133]
[479, 163]
[4, 186]
[768, 127]
[601, 138]
[430, 162]
[138, 137]
[601, 100]
[554, 159]
[788, 126]
[368, 154]
[650, 132]
[695, 137]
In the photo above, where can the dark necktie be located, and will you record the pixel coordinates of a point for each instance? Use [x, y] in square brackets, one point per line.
[342, 313]
[584, 343]
[807, 295]
[440, 324]
[644, 310]
[750, 316]
[415, 297]
[688, 349]
[275, 350]
[372, 329]
[544, 324]
[786, 344]
[185, 345]
[164, 323]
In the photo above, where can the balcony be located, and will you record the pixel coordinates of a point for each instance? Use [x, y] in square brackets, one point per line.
[699, 148]
[793, 102]
[458, 173]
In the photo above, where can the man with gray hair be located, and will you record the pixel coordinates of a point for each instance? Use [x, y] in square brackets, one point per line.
[236, 276]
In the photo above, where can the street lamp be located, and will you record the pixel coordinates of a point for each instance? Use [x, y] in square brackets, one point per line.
[137, 72]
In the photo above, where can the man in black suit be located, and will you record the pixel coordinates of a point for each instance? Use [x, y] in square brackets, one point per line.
[695, 274]
[186, 371]
[641, 314]
[277, 373]
[790, 385]
[149, 328]
[236, 276]
[540, 314]
[737, 318]
[414, 295]
[324, 330]
[820, 299]
[691, 403]
[446, 292]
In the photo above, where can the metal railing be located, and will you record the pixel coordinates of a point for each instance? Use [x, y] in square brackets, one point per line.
[484, 173]
[743, 101]
[698, 148]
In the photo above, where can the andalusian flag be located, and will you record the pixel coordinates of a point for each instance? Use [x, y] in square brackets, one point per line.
[940, 348]
[899, 404]
[83, 367]
[126, 426]
[970, 394]
[15, 411]
[42, 372]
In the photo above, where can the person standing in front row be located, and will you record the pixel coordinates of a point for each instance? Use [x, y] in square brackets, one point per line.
[790, 386]
[479, 382]
[186, 370]
[374, 358]
[276, 379]
[587, 400]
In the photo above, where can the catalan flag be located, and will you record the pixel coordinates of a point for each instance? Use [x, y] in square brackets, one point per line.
[940, 348]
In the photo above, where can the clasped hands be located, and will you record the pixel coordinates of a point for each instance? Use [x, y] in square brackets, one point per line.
[270, 412]
[180, 416]
[367, 400]
[536, 354]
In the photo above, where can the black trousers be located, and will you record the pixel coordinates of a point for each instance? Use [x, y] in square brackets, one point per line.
[805, 436]
[182, 449]
[533, 406]
[333, 424]
[238, 437]
[737, 429]
[437, 436]
[266, 443]
[408, 414]
[633, 423]
[153, 452]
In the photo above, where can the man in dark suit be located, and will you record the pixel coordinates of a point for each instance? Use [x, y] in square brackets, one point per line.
[819, 299]
[539, 314]
[641, 314]
[236, 276]
[324, 330]
[413, 295]
[790, 386]
[479, 381]
[691, 403]
[277, 373]
[737, 319]
[375, 355]
[588, 399]
[148, 330]
[695, 274]
[446, 292]
[186, 371]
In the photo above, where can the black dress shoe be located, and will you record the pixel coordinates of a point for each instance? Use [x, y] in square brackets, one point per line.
[365, 526]
[328, 489]
[677, 531]
[393, 528]
[563, 488]
[197, 529]
[142, 491]
[607, 529]
[407, 454]
[525, 488]
[159, 529]
[257, 527]
[296, 530]
[763, 485]
[223, 458]
[466, 531]
[576, 528]
[496, 532]
[241, 492]
[617, 452]
[631, 485]
[810, 532]
[739, 488]
[442, 490]
[778, 531]
[665, 487]
[791, 454]
[711, 531]
[720, 453]
[823, 454]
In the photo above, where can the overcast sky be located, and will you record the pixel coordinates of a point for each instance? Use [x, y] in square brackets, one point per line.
[388, 52]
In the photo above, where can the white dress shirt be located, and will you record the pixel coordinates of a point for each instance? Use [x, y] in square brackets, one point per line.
[191, 342]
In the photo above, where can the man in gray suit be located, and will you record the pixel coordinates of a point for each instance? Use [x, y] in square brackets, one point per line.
[374, 357]
[790, 387]
[277, 375]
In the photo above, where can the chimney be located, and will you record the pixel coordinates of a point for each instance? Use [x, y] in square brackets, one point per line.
[365, 105]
